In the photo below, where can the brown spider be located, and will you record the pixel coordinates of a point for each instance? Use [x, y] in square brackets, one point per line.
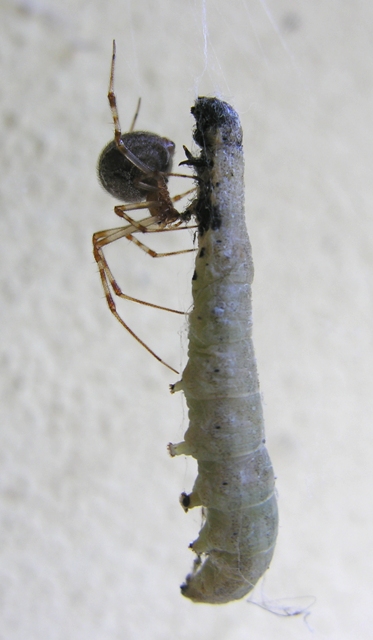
[134, 167]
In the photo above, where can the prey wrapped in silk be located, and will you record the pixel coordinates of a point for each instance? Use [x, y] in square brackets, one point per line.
[235, 482]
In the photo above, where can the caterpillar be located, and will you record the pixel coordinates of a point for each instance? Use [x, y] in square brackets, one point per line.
[235, 482]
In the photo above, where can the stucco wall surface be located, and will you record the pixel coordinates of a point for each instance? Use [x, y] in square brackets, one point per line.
[93, 542]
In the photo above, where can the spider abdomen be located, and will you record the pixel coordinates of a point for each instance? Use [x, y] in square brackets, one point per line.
[121, 178]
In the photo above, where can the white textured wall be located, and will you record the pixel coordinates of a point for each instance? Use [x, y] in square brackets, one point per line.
[93, 542]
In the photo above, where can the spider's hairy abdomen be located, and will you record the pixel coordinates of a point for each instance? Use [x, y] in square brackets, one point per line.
[120, 177]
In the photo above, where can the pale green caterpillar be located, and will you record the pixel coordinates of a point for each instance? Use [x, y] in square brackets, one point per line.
[235, 482]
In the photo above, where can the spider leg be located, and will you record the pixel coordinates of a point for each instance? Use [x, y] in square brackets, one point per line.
[109, 284]
[182, 195]
[181, 175]
[143, 225]
[103, 238]
[117, 129]
[105, 273]
[112, 98]
[135, 116]
[155, 254]
[108, 236]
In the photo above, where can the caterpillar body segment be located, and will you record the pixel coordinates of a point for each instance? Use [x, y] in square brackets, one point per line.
[235, 482]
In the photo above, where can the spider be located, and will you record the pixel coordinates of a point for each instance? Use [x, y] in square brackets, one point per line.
[134, 167]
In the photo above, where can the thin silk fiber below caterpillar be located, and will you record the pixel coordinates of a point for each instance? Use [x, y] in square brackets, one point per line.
[235, 482]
